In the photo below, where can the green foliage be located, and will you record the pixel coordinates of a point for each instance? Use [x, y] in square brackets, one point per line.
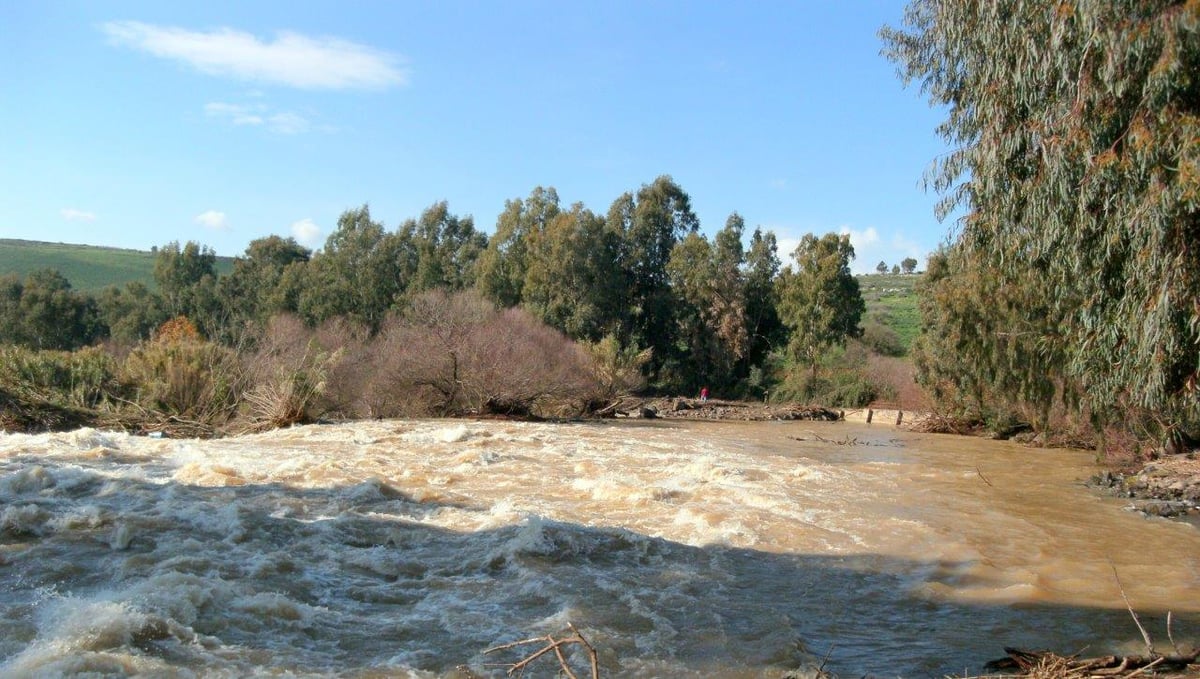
[263, 283]
[43, 312]
[891, 301]
[440, 251]
[1077, 136]
[820, 301]
[617, 370]
[358, 275]
[504, 264]
[573, 279]
[649, 225]
[844, 381]
[131, 313]
[881, 338]
[186, 378]
[86, 378]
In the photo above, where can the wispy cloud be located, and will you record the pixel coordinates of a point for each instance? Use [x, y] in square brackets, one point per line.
[306, 232]
[291, 59]
[211, 219]
[288, 123]
[235, 113]
[778, 184]
[72, 215]
[281, 122]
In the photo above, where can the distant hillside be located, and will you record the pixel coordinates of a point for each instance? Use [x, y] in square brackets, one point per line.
[892, 301]
[88, 267]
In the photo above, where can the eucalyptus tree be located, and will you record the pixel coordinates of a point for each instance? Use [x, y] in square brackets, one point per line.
[709, 282]
[355, 276]
[573, 280]
[447, 248]
[1076, 136]
[649, 224]
[259, 287]
[187, 282]
[819, 299]
[42, 311]
[131, 313]
[503, 265]
[764, 329]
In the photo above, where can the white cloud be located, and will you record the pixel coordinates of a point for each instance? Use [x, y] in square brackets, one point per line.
[235, 113]
[292, 59]
[306, 232]
[280, 122]
[287, 123]
[73, 215]
[860, 239]
[217, 221]
[778, 184]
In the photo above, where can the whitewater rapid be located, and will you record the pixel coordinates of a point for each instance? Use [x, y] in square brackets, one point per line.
[407, 548]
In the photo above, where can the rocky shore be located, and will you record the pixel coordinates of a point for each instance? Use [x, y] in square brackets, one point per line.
[1168, 486]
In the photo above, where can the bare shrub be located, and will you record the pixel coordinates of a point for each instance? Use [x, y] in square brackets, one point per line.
[896, 377]
[346, 379]
[457, 354]
[288, 375]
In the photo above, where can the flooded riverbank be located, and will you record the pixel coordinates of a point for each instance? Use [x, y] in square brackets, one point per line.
[678, 548]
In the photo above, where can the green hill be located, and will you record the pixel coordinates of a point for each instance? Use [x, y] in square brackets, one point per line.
[892, 301]
[88, 267]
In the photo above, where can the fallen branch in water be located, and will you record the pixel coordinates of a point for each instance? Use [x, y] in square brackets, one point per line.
[1020, 662]
[551, 645]
[1045, 664]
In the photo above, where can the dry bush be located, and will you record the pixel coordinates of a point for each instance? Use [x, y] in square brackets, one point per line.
[454, 354]
[346, 379]
[287, 375]
[897, 376]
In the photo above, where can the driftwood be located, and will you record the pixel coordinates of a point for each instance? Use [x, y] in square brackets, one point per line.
[1045, 664]
[555, 646]
[1048, 664]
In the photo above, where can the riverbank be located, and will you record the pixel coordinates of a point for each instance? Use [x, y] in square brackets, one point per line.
[1168, 486]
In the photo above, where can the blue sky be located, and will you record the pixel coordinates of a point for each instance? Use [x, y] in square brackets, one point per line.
[136, 124]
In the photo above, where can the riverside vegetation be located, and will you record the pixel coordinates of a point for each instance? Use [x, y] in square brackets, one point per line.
[1065, 305]
[559, 313]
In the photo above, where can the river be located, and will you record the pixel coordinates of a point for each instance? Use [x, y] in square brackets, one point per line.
[678, 549]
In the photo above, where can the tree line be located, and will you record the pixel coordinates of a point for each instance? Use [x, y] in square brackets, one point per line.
[641, 277]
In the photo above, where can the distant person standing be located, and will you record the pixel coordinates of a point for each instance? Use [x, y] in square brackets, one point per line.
[703, 393]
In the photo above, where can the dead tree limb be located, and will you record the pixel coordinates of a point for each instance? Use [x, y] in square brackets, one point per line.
[550, 644]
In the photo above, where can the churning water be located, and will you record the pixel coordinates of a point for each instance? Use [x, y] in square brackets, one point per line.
[407, 548]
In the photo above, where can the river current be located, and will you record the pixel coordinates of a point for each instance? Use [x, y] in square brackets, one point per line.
[407, 548]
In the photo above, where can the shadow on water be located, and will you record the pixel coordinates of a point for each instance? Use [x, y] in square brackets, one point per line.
[348, 580]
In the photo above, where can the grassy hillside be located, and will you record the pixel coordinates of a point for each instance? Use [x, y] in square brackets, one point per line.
[892, 301]
[88, 267]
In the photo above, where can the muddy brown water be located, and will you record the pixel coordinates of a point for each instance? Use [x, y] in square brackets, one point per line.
[679, 549]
